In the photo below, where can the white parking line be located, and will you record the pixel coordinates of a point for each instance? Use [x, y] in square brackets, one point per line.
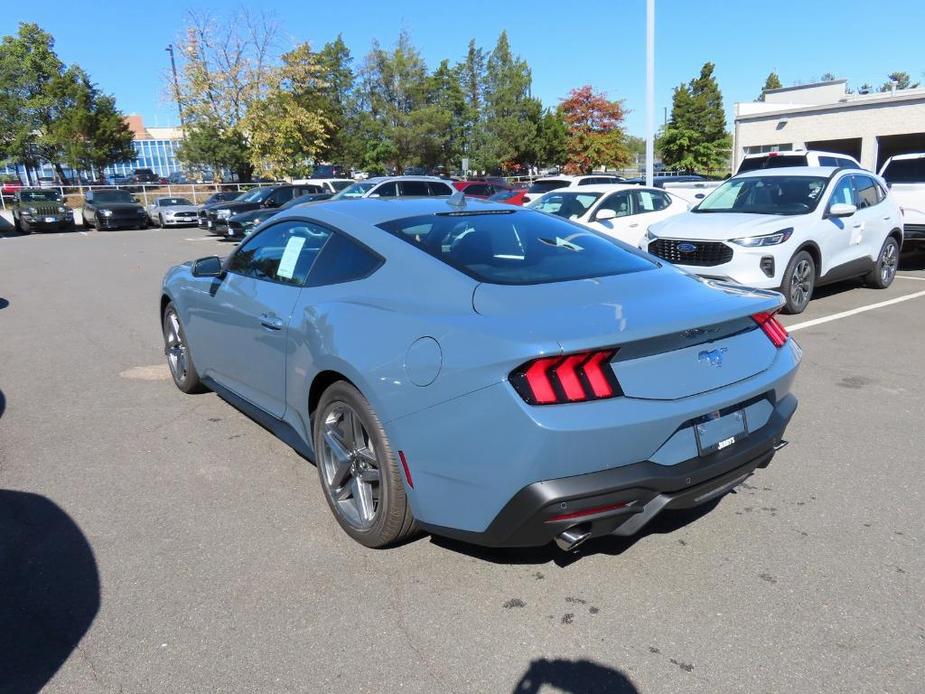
[909, 277]
[852, 312]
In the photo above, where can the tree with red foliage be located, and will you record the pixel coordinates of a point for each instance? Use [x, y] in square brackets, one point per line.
[595, 131]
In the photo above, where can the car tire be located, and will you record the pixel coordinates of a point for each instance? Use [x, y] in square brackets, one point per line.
[179, 358]
[355, 464]
[799, 283]
[884, 271]
[160, 221]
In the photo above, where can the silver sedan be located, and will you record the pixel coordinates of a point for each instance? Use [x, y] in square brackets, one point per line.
[170, 211]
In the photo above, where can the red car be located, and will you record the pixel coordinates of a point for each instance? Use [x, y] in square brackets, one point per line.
[10, 187]
[480, 189]
[513, 196]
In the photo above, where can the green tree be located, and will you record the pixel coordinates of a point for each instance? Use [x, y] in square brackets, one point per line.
[696, 138]
[335, 100]
[443, 120]
[510, 115]
[772, 81]
[208, 146]
[595, 131]
[472, 77]
[286, 128]
[552, 138]
[902, 80]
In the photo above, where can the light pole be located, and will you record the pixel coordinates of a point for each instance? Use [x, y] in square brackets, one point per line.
[176, 86]
[650, 90]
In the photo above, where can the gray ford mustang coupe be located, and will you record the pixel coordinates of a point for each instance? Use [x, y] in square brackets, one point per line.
[485, 372]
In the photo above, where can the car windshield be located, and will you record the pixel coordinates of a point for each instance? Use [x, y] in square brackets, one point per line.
[173, 202]
[784, 195]
[40, 196]
[355, 190]
[516, 246]
[772, 162]
[546, 186]
[340, 185]
[256, 195]
[112, 196]
[566, 205]
[905, 171]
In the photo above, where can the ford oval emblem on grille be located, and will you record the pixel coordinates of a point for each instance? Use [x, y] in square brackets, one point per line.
[687, 247]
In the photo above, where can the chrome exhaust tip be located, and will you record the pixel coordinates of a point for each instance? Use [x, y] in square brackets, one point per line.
[780, 444]
[570, 539]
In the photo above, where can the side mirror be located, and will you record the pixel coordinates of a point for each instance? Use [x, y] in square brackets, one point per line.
[604, 215]
[842, 209]
[210, 266]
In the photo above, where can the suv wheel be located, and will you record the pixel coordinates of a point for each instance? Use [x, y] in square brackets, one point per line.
[884, 270]
[799, 282]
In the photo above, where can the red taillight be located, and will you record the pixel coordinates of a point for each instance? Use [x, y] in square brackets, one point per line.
[570, 378]
[776, 332]
[585, 512]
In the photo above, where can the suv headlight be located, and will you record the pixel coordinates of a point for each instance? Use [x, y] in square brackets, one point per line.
[62, 210]
[32, 211]
[105, 213]
[767, 240]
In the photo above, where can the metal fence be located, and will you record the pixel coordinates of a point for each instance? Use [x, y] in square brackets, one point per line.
[146, 193]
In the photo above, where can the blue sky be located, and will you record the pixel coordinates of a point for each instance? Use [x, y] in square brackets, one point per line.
[121, 44]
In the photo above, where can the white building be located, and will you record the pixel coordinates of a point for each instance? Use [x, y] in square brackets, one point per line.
[870, 127]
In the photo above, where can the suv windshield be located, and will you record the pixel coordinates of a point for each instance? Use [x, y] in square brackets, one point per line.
[112, 196]
[256, 195]
[355, 190]
[905, 171]
[40, 196]
[785, 195]
[566, 205]
[546, 186]
[516, 246]
[769, 162]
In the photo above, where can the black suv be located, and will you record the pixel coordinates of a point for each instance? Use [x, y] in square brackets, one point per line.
[216, 216]
[41, 209]
[113, 209]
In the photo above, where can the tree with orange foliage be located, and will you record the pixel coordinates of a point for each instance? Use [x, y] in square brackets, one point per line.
[595, 131]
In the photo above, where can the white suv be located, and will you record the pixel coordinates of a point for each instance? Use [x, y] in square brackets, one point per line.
[790, 229]
[905, 176]
[545, 184]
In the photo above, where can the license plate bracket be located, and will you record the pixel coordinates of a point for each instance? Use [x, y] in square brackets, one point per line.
[716, 431]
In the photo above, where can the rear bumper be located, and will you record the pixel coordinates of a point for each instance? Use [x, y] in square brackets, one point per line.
[629, 496]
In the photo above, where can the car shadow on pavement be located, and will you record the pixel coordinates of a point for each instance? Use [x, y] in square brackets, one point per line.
[573, 676]
[49, 589]
[613, 545]
[911, 261]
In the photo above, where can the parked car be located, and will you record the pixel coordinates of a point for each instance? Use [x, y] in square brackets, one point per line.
[9, 186]
[597, 404]
[330, 171]
[513, 196]
[621, 211]
[240, 225]
[269, 197]
[480, 188]
[547, 183]
[790, 229]
[396, 187]
[172, 211]
[905, 176]
[112, 209]
[328, 185]
[177, 177]
[145, 176]
[40, 210]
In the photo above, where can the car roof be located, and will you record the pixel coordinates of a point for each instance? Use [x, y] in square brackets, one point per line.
[385, 179]
[600, 188]
[375, 211]
[570, 177]
[824, 171]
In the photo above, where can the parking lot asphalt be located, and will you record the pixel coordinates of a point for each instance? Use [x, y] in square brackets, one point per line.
[181, 547]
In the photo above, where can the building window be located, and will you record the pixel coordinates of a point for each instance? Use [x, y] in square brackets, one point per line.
[764, 149]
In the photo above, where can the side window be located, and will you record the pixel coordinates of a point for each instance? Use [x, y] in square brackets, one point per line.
[281, 253]
[477, 189]
[843, 192]
[308, 190]
[650, 201]
[847, 162]
[443, 189]
[386, 190]
[829, 161]
[409, 188]
[619, 203]
[867, 191]
[342, 260]
[281, 196]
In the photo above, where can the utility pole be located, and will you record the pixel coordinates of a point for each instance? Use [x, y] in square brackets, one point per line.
[650, 90]
[176, 86]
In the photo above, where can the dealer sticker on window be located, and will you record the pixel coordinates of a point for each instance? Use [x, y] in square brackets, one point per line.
[290, 257]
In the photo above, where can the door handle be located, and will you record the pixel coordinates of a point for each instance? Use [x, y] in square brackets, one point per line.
[636, 224]
[887, 219]
[273, 322]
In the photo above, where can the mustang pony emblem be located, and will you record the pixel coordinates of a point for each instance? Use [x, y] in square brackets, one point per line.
[713, 357]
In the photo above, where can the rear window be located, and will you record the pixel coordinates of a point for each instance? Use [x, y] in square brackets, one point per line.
[517, 246]
[768, 162]
[546, 186]
[905, 171]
